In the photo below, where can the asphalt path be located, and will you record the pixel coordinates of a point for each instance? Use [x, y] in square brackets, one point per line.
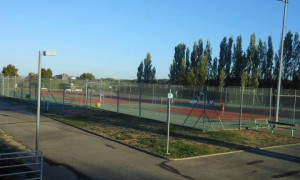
[80, 155]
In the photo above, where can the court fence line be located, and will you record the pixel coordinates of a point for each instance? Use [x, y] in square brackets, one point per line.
[242, 107]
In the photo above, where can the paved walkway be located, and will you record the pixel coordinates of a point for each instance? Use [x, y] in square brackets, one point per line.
[74, 154]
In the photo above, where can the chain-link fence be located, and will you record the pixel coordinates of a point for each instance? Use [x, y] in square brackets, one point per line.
[202, 108]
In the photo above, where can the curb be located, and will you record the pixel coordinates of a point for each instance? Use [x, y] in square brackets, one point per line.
[114, 140]
[270, 147]
[231, 152]
[208, 155]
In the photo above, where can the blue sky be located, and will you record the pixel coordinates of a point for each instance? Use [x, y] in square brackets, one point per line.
[109, 38]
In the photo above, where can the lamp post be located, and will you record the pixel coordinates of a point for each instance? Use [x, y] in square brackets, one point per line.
[41, 53]
[280, 63]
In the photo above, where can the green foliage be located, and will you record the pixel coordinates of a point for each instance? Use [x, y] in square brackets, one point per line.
[252, 56]
[214, 71]
[228, 58]
[235, 61]
[87, 76]
[222, 55]
[32, 75]
[175, 68]
[287, 57]
[255, 79]
[149, 72]
[202, 70]
[140, 72]
[269, 64]
[10, 70]
[244, 79]
[222, 77]
[46, 73]
[145, 71]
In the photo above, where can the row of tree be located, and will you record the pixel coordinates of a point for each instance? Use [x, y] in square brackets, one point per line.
[258, 66]
[11, 71]
[145, 72]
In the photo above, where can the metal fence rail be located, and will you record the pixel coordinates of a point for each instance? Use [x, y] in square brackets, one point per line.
[21, 165]
[242, 106]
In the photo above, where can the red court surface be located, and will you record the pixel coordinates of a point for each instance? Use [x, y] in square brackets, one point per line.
[213, 114]
[196, 112]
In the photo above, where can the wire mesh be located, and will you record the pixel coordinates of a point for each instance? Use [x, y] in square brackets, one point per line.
[207, 108]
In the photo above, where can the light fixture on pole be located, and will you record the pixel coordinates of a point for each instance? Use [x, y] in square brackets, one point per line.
[280, 63]
[41, 53]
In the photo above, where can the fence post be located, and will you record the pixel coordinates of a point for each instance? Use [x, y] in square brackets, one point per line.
[226, 98]
[270, 106]
[86, 93]
[22, 89]
[3, 85]
[152, 93]
[8, 86]
[29, 84]
[253, 99]
[241, 107]
[15, 86]
[295, 100]
[194, 93]
[91, 95]
[118, 100]
[129, 91]
[64, 91]
[140, 100]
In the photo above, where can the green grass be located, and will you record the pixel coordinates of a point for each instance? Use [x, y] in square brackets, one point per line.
[151, 135]
[184, 142]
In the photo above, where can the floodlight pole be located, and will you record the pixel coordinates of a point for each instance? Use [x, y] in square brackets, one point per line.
[41, 53]
[38, 102]
[280, 63]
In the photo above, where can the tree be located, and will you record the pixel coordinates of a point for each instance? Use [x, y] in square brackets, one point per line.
[183, 77]
[262, 58]
[222, 55]
[287, 58]
[244, 79]
[296, 61]
[276, 68]
[269, 63]
[153, 74]
[175, 68]
[208, 53]
[214, 71]
[255, 79]
[10, 70]
[252, 57]
[46, 73]
[222, 77]
[194, 58]
[228, 58]
[187, 59]
[87, 76]
[238, 61]
[32, 75]
[140, 72]
[202, 71]
[191, 78]
[200, 49]
[145, 71]
[149, 73]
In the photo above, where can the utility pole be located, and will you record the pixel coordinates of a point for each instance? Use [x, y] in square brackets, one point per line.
[280, 63]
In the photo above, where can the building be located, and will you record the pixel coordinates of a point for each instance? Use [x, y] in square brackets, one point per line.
[63, 76]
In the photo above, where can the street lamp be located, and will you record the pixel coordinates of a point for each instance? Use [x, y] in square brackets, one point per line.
[41, 53]
[280, 63]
